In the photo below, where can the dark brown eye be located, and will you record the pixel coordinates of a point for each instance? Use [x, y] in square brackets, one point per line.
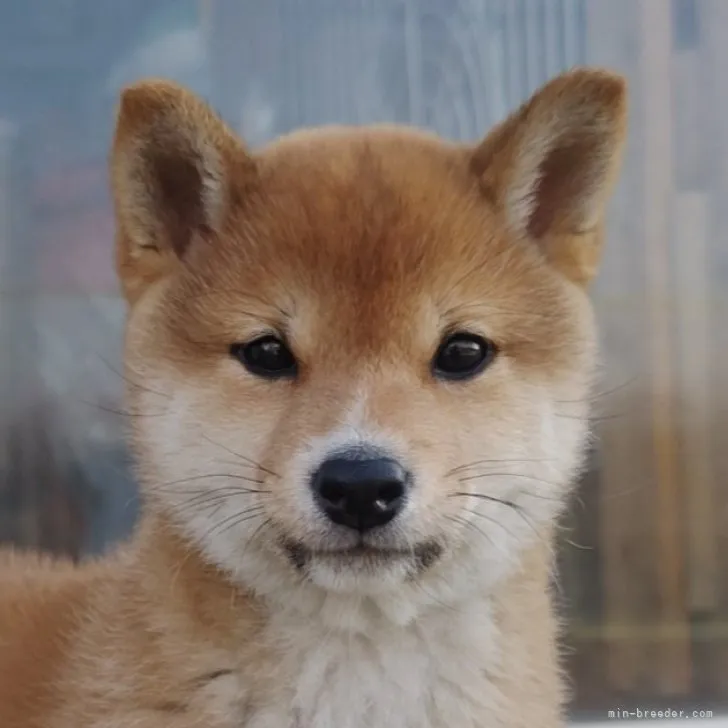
[267, 357]
[463, 356]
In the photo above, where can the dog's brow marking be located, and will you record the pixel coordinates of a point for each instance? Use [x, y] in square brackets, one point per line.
[171, 707]
[212, 676]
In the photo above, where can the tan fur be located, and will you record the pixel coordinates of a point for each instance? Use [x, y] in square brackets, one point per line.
[361, 247]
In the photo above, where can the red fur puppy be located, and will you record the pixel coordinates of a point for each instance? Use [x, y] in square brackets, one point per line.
[358, 365]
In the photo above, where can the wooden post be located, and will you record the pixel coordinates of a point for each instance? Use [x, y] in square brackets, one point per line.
[711, 628]
[627, 472]
[673, 668]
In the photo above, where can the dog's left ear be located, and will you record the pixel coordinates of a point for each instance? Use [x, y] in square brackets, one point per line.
[550, 167]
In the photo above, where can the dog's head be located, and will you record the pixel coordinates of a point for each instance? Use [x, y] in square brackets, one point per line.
[359, 358]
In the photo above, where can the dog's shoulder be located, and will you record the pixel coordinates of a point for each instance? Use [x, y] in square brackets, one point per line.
[41, 601]
[30, 581]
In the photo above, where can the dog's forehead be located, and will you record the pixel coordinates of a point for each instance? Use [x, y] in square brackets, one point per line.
[366, 210]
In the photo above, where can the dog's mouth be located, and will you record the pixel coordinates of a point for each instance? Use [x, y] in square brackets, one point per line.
[363, 556]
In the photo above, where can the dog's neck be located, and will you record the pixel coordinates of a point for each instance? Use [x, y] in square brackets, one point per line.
[474, 651]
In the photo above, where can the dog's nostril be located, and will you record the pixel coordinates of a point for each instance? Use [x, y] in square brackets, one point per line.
[333, 492]
[358, 493]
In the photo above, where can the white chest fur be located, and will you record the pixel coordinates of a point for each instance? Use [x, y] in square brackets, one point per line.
[429, 674]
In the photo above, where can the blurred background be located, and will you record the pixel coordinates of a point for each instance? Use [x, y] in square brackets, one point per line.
[644, 573]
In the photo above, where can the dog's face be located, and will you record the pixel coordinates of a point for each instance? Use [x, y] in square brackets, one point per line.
[361, 354]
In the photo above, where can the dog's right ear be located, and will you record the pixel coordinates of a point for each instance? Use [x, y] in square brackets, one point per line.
[175, 169]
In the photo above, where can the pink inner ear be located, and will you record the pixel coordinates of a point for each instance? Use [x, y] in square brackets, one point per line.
[561, 189]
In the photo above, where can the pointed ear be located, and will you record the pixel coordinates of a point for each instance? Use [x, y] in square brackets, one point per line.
[175, 167]
[550, 167]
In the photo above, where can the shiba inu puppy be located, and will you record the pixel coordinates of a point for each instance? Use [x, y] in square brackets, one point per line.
[358, 365]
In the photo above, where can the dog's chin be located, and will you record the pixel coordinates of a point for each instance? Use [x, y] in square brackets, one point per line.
[361, 568]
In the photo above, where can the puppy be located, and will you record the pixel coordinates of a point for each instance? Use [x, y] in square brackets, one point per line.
[358, 364]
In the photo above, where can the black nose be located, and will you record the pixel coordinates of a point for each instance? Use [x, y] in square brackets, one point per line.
[359, 493]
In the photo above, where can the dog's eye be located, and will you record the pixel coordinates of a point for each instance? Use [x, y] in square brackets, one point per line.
[266, 356]
[462, 356]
